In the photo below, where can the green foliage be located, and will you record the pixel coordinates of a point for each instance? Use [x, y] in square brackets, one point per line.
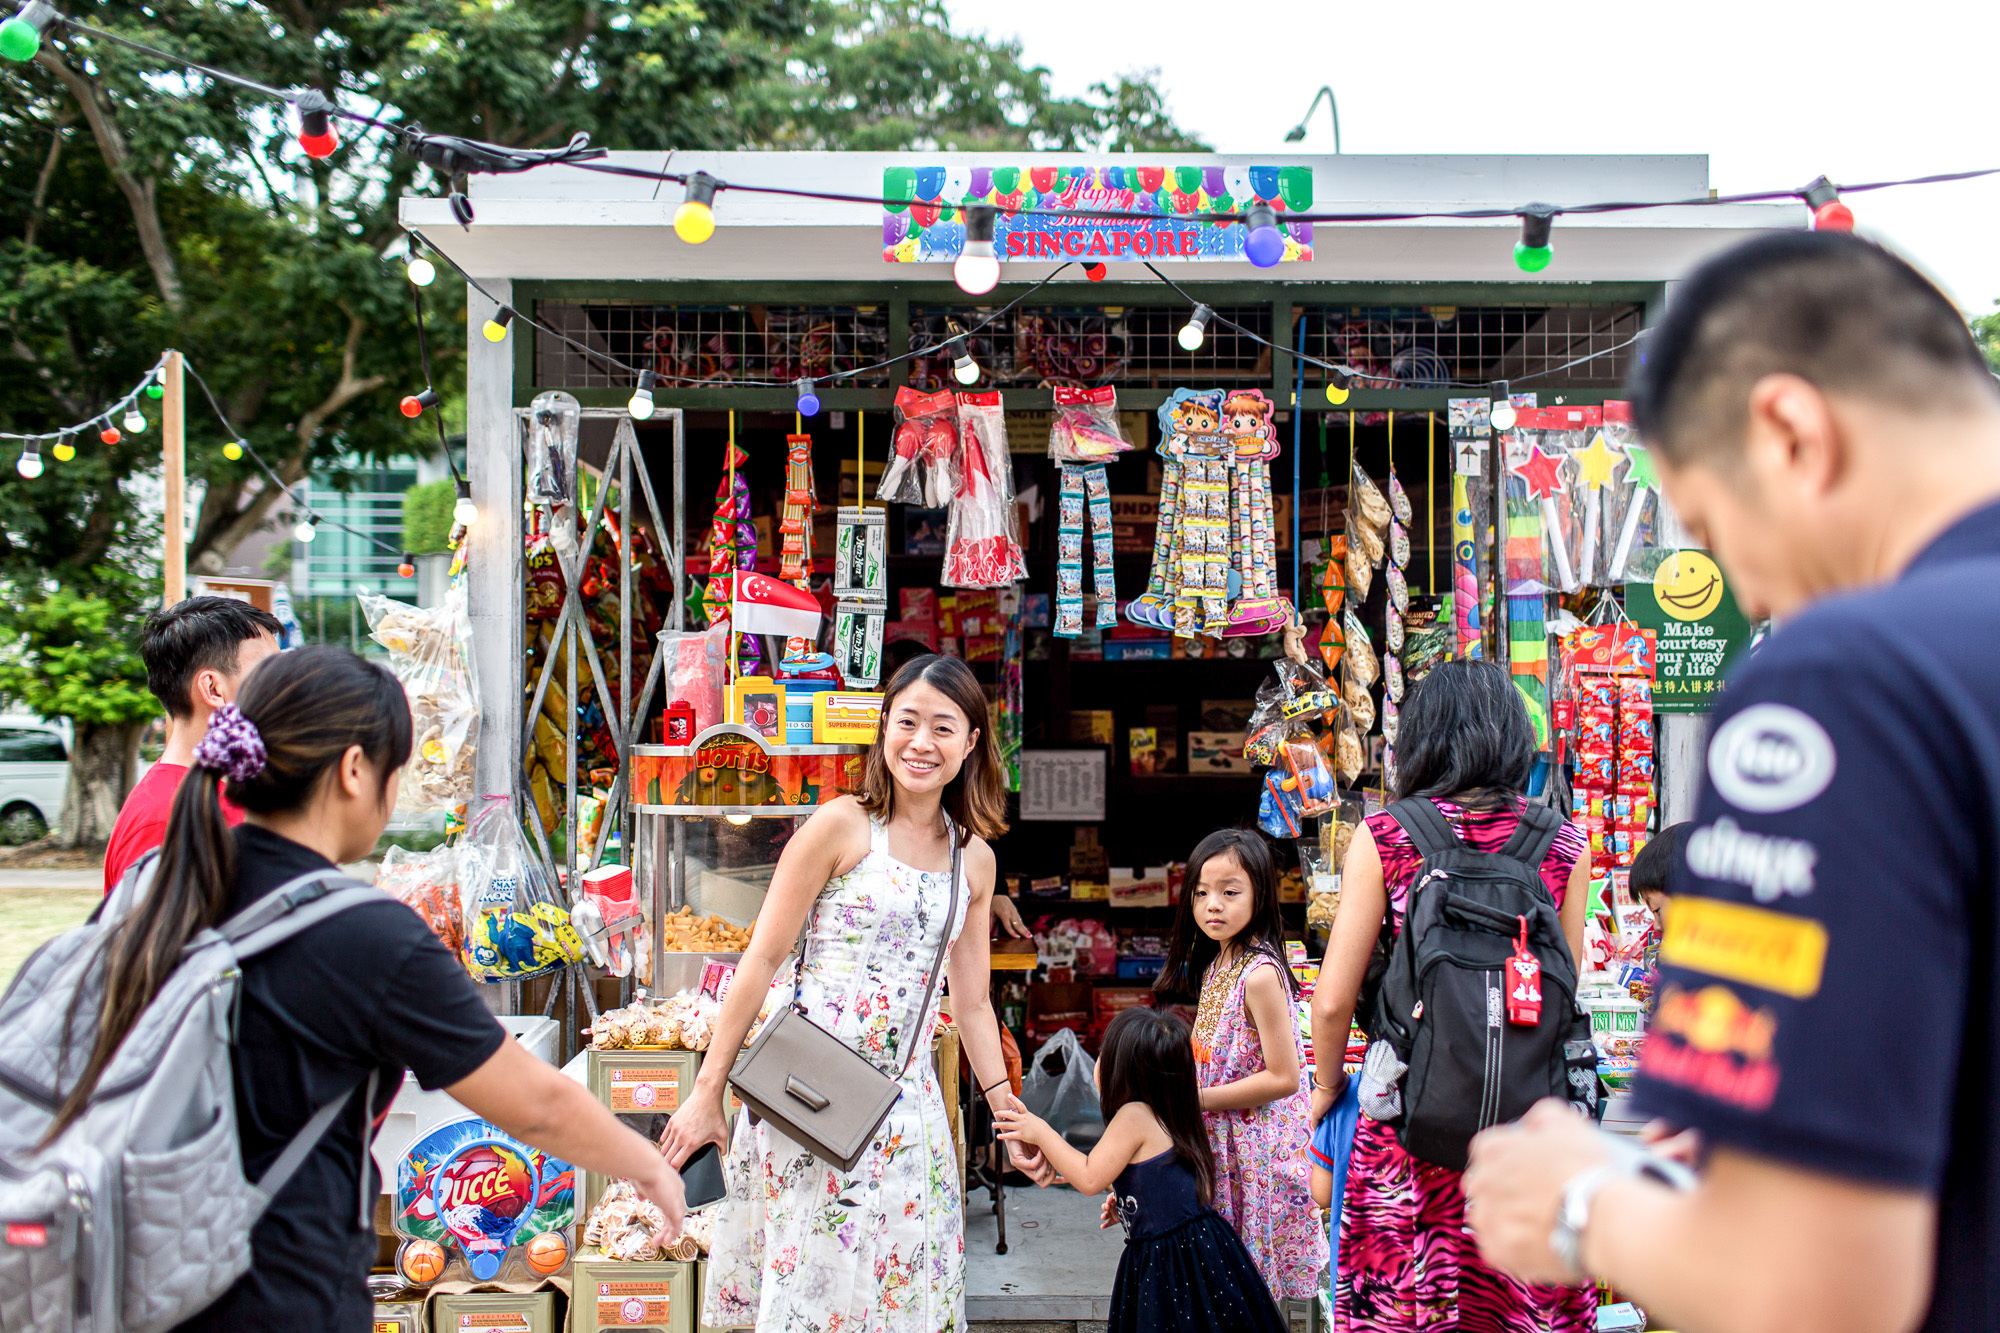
[75, 657]
[1986, 332]
[427, 519]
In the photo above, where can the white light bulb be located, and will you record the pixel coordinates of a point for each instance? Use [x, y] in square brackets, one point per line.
[977, 272]
[422, 271]
[135, 421]
[966, 369]
[305, 531]
[30, 465]
[1503, 415]
[465, 513]
[739, 818]
[1195, 331]
[641, 405]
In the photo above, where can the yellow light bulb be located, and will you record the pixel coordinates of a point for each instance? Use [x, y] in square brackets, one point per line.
[693, 222]
[233, 451]
[63, 451]
[494, 330]
[1336, 395]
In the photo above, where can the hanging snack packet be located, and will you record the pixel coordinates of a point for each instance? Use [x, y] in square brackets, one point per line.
[430, 654]
[1365, 499]
[1399, 545]
[1350, 755]
[922, 460]
[1399, 591]
[1360, 701]
[1360, 569]
[427, 882]
[1361, 661]
[1399, 501]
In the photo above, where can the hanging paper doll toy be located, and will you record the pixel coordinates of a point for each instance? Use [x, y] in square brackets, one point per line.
[1256, 606]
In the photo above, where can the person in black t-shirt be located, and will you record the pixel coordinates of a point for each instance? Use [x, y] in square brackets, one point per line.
[312, 750]
[1822, 421]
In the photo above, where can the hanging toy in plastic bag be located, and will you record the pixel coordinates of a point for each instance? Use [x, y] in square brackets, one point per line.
[982, 542]
[514, 928]
[1310, 779]
[1278, 809]
[553, 421]
[922, 462]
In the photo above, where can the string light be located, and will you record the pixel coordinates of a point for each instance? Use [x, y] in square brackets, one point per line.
[465, 513]
[63, 450]
[977, 271]
[307, 529]
[1265, 245]
[495, 328]
[135, 421]
[694, 220]
[30, 465]
[808, 404]
[155, 389]
[1096, 272]
[21, 36]
[414, 405]
[421, 270]
[233, 451]
[641, 404]
[1195, 331]
[1339, 387]
[1829, 214]
[1532, 252]
[109, 434]
[1502, 415]
[962, 364]
[408, 569]
[316, 134]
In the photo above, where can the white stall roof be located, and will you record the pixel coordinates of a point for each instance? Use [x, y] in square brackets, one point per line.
[565, 223]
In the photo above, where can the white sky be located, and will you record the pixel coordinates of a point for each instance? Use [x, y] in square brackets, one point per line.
[1775, 93]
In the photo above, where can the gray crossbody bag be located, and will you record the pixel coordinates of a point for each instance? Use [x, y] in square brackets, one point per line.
[814, 1088]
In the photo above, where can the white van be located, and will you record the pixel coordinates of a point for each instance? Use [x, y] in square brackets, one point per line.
[34, 777]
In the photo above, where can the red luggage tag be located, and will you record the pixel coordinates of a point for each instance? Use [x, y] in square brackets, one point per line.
[1524, 982]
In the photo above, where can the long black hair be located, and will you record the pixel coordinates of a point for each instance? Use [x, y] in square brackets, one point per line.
[1465, 736]
[1190, 951]
[309, 707]
[1147, 1056]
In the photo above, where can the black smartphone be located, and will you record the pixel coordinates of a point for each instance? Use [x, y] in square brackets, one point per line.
[701, 1177]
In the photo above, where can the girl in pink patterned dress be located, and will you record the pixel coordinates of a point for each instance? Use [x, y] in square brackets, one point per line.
[1229, 940]
[1406, 1260]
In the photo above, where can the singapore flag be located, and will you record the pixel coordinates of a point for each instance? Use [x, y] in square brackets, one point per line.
[764, 605]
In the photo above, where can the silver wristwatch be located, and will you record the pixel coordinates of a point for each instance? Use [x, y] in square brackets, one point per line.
[1574, 1215]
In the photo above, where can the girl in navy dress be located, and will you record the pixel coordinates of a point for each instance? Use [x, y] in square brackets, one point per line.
[1183, 1268]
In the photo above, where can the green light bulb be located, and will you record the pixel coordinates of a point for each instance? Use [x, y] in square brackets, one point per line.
[1532, 258]
[19, 39]
[156, 390]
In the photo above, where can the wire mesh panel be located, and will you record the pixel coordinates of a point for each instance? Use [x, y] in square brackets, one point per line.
[688, 344]
[1432, 346]
[1136, 347]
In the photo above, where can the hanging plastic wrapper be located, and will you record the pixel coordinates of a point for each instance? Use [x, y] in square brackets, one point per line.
[695, 670]
[1085, 434]
[1362, 664]
[922, 466]
[982, 531]
[427, 883]
[430, 653]
[553, 421]
[1632, 504]
[1296, 696]
[514, 927]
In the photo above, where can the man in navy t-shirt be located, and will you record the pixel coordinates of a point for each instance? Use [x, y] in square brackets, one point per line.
[1824, 423]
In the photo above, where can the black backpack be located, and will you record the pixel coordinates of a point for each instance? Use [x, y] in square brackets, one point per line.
[1444, 1060]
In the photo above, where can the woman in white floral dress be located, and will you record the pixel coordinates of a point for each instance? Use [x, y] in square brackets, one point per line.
[799, 1245]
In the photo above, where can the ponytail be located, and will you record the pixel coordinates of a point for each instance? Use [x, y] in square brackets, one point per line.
[295, 717]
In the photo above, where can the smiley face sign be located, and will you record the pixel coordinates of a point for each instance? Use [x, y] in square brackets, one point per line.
[1688, 585]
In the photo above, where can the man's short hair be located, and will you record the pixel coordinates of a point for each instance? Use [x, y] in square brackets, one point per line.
[1828, 307]
[1653, 867]
[199, 634]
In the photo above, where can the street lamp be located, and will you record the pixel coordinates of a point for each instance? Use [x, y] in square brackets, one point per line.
[1299, 130]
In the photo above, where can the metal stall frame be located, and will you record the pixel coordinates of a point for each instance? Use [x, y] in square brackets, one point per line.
[572, 636]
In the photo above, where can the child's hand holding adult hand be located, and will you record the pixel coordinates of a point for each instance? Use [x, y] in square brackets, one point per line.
[1018, 1125]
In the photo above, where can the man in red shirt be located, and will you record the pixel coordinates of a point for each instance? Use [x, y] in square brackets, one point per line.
[196, 654]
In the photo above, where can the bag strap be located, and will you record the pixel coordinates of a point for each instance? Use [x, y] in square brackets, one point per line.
[1533, 836]
[1430, 832]
[296, 905]
[281, 1170]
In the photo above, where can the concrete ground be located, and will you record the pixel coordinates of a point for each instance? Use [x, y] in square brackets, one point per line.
[38, 904]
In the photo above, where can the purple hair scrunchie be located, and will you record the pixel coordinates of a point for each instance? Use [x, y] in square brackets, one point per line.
[231, 746]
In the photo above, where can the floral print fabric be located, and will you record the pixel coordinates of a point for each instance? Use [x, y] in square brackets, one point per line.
[801, 1246]
[1406, 1263]
[1263, 1176]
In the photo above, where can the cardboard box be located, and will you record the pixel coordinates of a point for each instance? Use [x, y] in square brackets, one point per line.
[1216, 752]
[1142, 890]
[641, 1088]
[1142, 750]
[663, 1296]
[846, 717]
[495, 1312]
[400, 1317]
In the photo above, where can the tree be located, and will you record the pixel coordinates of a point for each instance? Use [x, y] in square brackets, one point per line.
[75, 657]
[143, 207]
[1986, 332]
[427, 518]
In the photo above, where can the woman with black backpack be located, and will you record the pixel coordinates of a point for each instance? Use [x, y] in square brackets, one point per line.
[1405, 1259]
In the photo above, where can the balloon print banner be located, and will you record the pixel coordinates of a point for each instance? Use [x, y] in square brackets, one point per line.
[925, 225]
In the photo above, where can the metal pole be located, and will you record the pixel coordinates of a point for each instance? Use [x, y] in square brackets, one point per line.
[1298, 428]
[173, 432]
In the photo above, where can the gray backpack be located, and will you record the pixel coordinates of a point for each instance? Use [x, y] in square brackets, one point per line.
[138, 1216]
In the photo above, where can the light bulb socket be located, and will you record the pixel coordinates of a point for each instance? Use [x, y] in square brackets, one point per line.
[701, 189]
[1263, 242]
[1821, 192]
[316, 135]
[414, 405]
[1536, 222]
[808, 404]
[979, 219]
[641, 402]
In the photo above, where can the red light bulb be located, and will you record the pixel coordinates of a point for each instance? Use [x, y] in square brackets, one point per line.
[319, 145]
[110, 435]
[1096, 272]
[414, 405]
[1833, 216]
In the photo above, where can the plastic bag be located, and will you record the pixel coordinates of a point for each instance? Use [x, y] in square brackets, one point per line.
[982, 533]
[1086, 428]
[693, 665]
[430, 653]
[514, 927]
[1060, 1087]
[923, 462]
[553, 421]
[427, 882]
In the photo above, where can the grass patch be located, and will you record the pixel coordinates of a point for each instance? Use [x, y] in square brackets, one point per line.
[30, 916]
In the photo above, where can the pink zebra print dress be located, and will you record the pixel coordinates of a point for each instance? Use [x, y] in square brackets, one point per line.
[1406, 1262]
